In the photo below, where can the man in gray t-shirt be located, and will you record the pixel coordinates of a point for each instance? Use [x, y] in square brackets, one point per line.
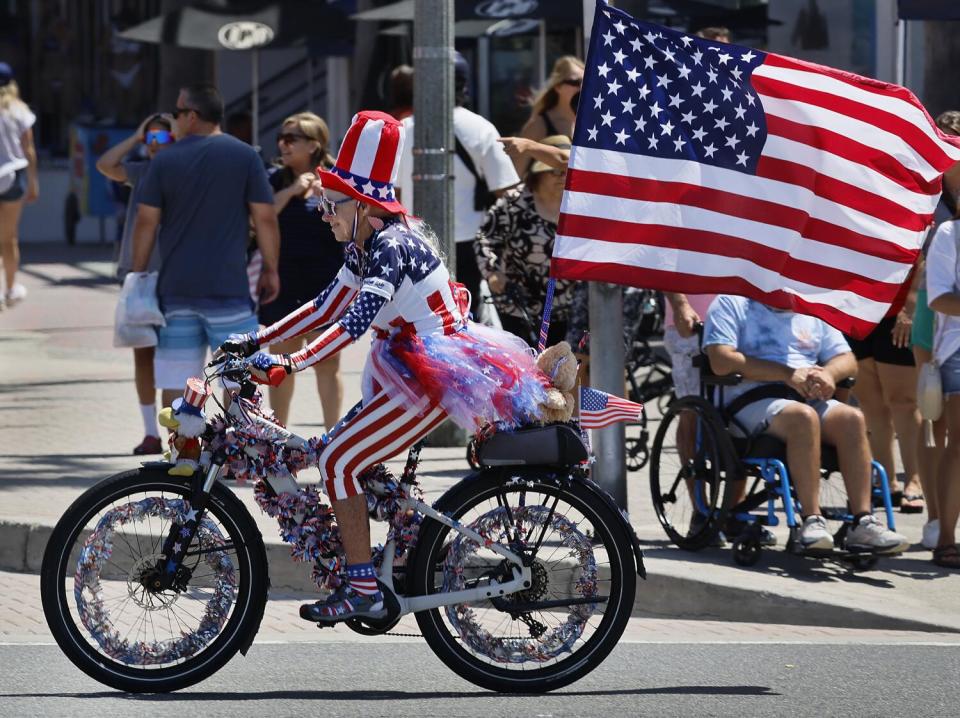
[202, 193]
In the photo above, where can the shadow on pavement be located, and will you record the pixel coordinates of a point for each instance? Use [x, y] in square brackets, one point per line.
[374, 695]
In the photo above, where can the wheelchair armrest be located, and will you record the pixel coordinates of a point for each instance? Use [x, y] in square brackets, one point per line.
[708, 378]
[714, 380]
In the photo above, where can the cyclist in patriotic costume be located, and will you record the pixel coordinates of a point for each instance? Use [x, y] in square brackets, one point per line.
[426, 362]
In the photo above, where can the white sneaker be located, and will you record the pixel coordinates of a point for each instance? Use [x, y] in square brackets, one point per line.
[931, 534]
[815, 535]
[871, 535]
[16, 293]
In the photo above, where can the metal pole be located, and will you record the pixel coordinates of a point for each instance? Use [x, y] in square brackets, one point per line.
[542, 51]
[309, 65]
[255, 97]
[433, 142]
[433, 123]
[901, 77]
[607, 361]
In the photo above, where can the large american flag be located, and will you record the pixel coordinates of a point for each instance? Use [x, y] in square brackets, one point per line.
[599, 409]
[703, 167]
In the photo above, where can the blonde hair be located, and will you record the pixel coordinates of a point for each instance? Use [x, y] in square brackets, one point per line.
[547, 97]
[10, 96]
[313, 127]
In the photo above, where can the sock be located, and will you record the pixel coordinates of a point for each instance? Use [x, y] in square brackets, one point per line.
[149, 414]
[363, 579]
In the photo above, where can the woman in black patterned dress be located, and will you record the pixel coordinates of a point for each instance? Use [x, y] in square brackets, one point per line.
[514, 247]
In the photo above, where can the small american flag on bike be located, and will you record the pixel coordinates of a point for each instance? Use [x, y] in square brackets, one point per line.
[599, 409]
[704, 167]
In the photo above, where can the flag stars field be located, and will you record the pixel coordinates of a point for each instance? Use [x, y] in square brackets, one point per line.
[705, 167]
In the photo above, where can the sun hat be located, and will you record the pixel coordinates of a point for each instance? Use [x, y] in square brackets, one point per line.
[366, 166]
[6, 74]
[560, 142]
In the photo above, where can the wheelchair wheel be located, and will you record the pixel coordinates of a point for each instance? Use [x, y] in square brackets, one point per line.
[637, 444]
[689, 472]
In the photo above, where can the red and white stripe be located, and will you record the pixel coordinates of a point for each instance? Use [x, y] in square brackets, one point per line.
[371, 148]
[196, 392]
[326, 345]
[384, 427]
[310, 317]
[831, 224]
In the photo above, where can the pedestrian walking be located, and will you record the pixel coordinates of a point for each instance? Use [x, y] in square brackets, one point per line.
[554, 108]
[930, 453]
[18, 179]
[310, 255]
[943, 290]
[514, 247]
[202, 193]
[482, 172]
[155, 134]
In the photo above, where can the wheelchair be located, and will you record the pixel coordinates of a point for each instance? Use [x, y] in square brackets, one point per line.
[694, 496]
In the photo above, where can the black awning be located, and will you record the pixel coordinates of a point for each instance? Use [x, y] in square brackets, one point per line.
[928, 9]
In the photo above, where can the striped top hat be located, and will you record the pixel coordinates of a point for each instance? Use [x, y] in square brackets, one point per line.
[366, 167]
[194, 397]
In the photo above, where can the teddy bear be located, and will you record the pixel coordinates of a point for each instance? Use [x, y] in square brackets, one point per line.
[560, 366]
[186, 421]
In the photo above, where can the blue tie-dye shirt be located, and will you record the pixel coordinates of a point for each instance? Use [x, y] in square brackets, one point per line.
[756, 330]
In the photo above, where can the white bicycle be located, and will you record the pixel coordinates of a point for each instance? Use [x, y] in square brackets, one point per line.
[522, 576]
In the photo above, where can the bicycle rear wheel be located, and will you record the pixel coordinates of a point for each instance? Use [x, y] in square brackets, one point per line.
[96, 592]
[583, 582]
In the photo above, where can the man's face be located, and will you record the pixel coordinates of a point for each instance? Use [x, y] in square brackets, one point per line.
[951, 180]
[183, 118]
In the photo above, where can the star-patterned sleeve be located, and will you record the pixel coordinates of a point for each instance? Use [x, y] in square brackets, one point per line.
[325, 309]
[385, 264]
[351, 327]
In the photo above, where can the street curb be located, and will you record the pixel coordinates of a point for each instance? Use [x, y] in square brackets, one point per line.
[662, 595]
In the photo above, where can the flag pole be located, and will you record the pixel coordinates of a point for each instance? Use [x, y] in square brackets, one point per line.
[607, 360]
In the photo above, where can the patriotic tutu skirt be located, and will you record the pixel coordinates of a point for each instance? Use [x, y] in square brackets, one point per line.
[477, 376]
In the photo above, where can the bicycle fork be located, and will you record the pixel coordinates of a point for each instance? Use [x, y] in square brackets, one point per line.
[181, 536]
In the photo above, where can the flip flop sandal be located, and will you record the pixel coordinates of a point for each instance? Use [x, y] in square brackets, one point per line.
[946, 557]
[912, 504]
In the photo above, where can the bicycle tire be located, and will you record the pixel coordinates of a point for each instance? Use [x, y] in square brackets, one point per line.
[235, 634]
[450, 649]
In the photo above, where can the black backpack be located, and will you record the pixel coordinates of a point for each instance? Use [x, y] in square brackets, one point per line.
[483, 198]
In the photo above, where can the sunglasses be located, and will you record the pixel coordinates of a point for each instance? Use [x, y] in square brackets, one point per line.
[288, 138]
[177, 111]
[571, 82]
[329, 206]
[161, 137]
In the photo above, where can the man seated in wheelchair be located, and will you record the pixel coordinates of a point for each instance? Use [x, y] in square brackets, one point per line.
[766, 346]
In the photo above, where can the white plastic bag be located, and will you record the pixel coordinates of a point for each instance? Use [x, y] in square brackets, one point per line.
[132, 335]
[138, 304]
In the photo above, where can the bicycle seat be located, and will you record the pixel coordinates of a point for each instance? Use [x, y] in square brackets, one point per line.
[551, 445]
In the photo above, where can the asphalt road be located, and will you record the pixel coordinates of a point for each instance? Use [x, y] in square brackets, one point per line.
[405, 679]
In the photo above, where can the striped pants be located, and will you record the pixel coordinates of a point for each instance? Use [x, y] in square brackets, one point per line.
[382, 428]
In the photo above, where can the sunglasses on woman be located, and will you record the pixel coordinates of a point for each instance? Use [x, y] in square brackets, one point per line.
[161, 137]
[329, 206]
[288, 138]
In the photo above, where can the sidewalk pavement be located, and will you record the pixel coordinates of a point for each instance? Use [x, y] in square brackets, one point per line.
[69, 417]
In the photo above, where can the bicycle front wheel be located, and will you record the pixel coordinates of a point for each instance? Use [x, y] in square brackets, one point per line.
[97, 596]
[583, 582]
